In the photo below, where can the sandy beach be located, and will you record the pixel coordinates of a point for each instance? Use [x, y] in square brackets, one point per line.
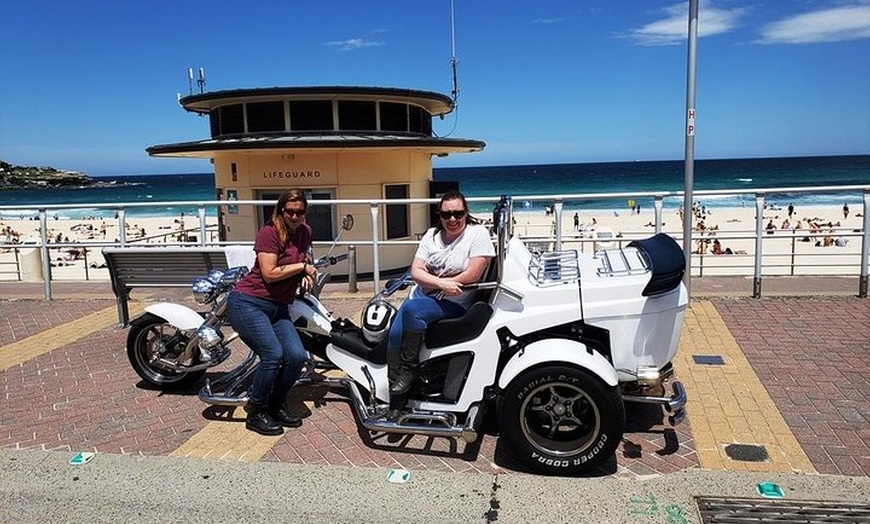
[796, 242]
[82, 240]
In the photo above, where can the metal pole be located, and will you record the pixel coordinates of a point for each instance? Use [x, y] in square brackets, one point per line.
[759, 228]
[201, 212]
[122, 226]
[351, 269]
[658, 205]
[376, 268]
[46, 255]
[689, 177]
[865, 248]
[557, 209]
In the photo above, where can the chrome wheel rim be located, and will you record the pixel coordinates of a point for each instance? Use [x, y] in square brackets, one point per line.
[560, 419]
[152, 345]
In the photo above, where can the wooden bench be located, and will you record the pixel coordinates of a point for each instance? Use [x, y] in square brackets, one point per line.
[132, 267]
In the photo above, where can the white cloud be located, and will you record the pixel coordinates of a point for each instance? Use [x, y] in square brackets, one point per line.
[353, 43]
[828, 25]
[674, 27]
[545, 21]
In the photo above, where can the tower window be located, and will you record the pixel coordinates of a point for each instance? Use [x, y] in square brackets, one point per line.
[264, 117]
[311, 116]
[356, 116]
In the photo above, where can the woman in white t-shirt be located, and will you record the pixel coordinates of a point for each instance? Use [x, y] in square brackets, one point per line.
[453, 253]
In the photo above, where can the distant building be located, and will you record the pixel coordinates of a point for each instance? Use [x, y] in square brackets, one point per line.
[334, 142]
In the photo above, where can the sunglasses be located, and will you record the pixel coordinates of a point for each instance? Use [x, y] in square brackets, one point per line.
[294, 212]
[455, 214]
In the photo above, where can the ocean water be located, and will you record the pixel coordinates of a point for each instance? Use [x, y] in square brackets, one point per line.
[629, 177]
[517, 180]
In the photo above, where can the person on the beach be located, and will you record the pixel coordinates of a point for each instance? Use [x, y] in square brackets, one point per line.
[576, 222]
[257, 310]
[846, 210]
[717, 249]
[453, 253]
[790, 210]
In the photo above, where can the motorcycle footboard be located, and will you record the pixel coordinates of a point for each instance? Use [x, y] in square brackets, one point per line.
[431, 424]
[230, 389]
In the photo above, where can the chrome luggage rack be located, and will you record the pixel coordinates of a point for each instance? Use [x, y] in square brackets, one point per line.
[554, 267]
[615, 262]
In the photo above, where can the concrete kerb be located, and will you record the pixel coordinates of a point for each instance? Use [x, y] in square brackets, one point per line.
[40, 486]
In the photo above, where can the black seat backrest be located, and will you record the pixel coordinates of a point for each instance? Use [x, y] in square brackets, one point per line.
[490, 274]
[471, 324]
[666, 261]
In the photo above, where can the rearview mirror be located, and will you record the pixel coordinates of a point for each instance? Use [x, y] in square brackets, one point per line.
[347, 222]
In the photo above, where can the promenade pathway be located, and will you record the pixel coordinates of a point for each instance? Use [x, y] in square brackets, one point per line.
[792, 386]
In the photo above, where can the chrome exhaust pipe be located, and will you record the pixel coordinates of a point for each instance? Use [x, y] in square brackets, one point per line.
[675, 404]
[471, 430]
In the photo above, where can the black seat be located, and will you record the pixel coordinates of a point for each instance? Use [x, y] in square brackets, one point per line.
[471, 324]
[666, 261]
[349, 337]
[460, 329]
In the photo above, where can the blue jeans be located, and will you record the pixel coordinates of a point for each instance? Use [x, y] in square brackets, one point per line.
[416, 313]
[266, 328]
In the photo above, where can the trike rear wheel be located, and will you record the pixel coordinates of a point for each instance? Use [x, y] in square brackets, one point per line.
[561, 420]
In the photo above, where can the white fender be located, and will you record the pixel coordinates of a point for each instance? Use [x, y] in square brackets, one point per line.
[179, 316]
[554, 351]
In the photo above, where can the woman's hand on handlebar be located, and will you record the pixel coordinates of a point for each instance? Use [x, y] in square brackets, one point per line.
[307, 283]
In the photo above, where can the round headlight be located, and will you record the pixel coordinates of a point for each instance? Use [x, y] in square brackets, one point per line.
[204, 290]
[215, 275]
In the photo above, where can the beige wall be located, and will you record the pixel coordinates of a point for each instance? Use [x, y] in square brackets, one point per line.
[351, 175]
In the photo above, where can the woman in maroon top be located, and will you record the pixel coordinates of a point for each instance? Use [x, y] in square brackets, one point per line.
[257, 310]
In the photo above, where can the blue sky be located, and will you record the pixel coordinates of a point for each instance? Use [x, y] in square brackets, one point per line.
[89, 85]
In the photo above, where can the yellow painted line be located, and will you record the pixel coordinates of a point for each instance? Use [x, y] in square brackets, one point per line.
[728, 404]
[31, 347]
[229, 440]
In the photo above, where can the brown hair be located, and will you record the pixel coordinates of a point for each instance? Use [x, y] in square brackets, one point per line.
[455, 195]
[289, 195]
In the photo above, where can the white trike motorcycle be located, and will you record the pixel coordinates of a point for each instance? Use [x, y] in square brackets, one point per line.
[556, 343]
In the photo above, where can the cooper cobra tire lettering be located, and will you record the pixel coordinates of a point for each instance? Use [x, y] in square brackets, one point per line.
[561, 419]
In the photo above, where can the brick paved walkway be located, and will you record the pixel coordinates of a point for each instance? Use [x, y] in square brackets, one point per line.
[812, 356]
[79, 393]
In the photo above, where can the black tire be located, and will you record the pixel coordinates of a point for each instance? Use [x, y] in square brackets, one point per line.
[149, 336]
[561, 420]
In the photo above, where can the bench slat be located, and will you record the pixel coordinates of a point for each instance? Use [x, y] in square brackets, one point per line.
[133, 267]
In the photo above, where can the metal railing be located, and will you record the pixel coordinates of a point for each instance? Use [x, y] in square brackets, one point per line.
[552, 236]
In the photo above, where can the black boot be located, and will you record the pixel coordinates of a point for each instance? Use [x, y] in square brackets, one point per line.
[283, 416]
[261, 422]
[411, 342]
[394, 364]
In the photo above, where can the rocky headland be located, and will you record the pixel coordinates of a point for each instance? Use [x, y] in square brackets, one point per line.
[29, 177]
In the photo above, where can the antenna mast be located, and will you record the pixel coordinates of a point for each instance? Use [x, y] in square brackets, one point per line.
[453, 61]
[201, 81]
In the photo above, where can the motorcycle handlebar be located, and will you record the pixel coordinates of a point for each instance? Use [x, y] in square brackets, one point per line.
[326, 261]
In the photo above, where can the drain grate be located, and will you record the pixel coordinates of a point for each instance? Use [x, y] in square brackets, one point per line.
[744, 511]
[746, 452]
[708, 360]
